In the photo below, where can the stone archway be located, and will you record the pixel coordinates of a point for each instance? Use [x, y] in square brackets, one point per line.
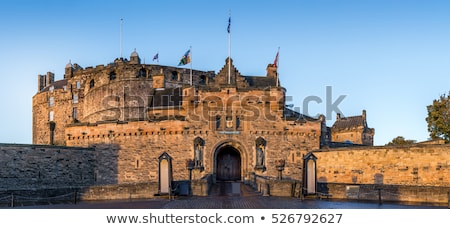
[228, 164]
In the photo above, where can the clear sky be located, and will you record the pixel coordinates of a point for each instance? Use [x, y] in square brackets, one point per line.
[389, 57]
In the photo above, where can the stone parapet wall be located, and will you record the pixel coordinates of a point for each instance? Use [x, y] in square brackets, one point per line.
[414, 165]
[387, 193]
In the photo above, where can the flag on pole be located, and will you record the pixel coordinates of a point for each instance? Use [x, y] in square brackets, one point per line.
[186, 59]
[275, 62]
[229, 25]
[156, 57]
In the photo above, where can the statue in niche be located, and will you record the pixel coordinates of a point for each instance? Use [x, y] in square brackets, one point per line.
[260, 155]
[198, 156]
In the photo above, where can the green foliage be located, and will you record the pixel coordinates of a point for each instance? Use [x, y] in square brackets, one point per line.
[400, 140]
[439, 118]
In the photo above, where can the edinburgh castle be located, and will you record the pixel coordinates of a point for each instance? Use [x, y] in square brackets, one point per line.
[152, 129]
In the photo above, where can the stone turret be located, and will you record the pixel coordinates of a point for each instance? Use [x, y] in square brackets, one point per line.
[134, 58]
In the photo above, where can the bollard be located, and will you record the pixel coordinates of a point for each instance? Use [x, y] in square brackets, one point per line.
[379, 196]
[12, 200]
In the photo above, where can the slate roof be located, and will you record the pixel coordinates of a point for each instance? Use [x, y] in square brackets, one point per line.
[349, 122]
[260, 81]
[292, 115]
[56, 85]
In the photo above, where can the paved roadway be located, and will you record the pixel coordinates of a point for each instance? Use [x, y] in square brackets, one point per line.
[222, 197]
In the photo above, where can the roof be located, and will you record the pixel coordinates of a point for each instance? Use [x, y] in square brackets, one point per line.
[260, 81]
[296, 116]
[349, 122]
[56, 85]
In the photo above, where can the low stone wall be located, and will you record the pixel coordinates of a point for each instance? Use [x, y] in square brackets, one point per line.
[273, 187]
[386, 193]
[411, 165]
[119, 192]
[203, 186]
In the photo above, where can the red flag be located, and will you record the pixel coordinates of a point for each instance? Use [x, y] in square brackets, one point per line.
[275, 62]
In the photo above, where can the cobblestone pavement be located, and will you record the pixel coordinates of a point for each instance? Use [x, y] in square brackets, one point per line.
[222, 197]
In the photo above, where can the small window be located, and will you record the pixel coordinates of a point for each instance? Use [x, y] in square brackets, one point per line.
[51, 88]
[75, 98]
[174, 75]
[64, 88]
[112, 76]
[238, 122]
[74, 113]
[78, 85]
[202, 80]
[142, 73]
[51, 101]
[217, 122]
[51, 115]
[91, 83]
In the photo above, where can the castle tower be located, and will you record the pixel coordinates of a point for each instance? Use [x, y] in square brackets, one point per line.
[134, 58]
[68, 70]
[352, 130]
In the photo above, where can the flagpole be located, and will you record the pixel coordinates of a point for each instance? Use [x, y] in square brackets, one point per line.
[190, 61]
[278, 61]
[229, 48]
[121, 21]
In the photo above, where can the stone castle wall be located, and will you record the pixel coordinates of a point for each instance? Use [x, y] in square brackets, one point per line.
[98, 96]
[141, 143]
[414, 173]
[424, 165]
[30, 167]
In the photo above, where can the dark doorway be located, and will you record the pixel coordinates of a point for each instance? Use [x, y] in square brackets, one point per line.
[228, 164]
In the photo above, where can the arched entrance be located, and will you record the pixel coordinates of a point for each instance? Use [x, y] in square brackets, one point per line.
[228, 164]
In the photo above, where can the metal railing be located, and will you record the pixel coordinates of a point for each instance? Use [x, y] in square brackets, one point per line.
[14, 200]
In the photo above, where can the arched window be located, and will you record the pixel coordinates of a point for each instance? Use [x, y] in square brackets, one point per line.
[91, 83]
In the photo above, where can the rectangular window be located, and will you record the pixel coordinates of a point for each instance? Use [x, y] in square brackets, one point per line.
[50, 116]
[78, 84]
[75, 113]
[64, 88]
[75, 98]
[51, 101]
[51, 88]
[217, 122]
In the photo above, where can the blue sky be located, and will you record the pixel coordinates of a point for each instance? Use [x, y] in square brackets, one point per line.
[389, 57]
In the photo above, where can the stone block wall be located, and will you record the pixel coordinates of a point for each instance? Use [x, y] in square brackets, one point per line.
[424, 165]
[387, 193]
[28, 167]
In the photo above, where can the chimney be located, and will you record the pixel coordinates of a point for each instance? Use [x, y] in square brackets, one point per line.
[338, 116]
[364, 114]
